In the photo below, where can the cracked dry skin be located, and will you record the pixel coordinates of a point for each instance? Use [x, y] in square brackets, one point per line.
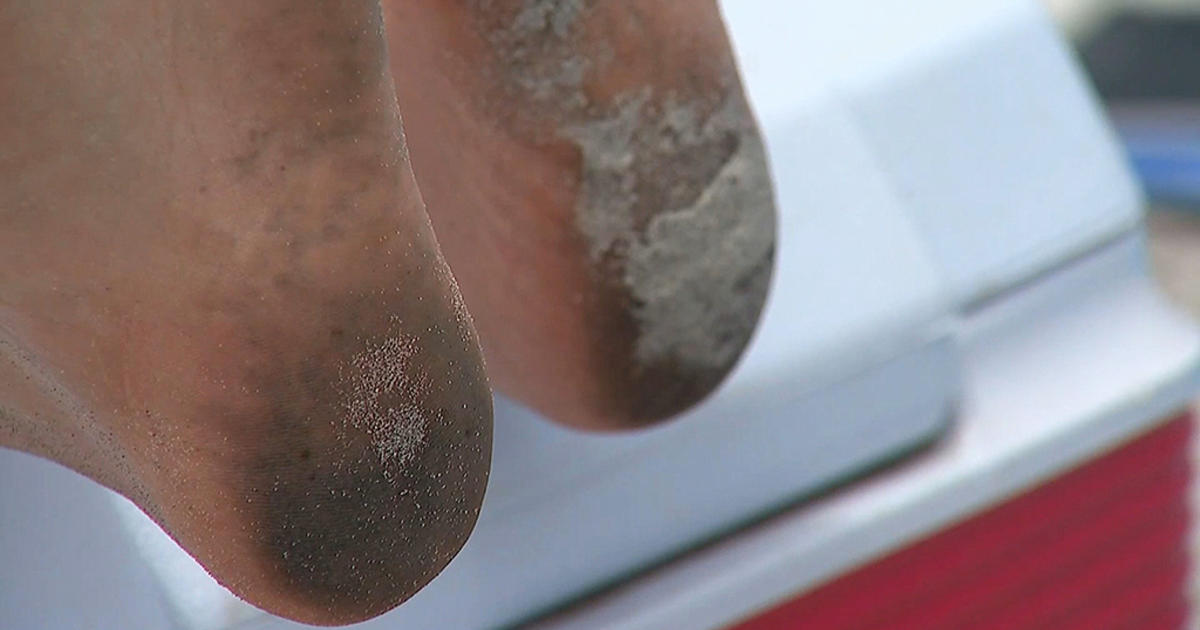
[675, 204]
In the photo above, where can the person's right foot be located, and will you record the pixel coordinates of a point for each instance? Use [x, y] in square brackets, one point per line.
[220, 295]
[597, 181]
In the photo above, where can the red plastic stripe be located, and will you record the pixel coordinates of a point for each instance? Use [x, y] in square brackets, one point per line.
[1171, 617]
[1079, 552]
[1067, 587]
[1134, 603]
[1064, 554]
[903, 575]
[1003, 570]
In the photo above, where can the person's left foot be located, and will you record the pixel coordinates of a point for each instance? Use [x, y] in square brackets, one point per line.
[221, 297]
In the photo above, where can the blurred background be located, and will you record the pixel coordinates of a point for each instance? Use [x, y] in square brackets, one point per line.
[1144, 57]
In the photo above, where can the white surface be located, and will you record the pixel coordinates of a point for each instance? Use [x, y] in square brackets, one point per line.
[65, 562]
[974, 114]
[1068, 368]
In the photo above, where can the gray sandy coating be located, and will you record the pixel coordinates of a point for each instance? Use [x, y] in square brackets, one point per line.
[538, 57]
[536, 16]
[676, 202]
[696, 262]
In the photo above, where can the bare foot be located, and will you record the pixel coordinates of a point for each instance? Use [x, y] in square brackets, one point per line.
[220, 294]
[599, 186]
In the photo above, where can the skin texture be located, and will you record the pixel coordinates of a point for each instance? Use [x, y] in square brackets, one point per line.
[617, 237]
[220, 294]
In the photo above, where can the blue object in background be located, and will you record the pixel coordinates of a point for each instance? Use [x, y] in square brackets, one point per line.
[1146, 66]
[1165, 150]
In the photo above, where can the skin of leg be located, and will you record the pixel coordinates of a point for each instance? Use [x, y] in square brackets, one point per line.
[616, 177]
[220, 294]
